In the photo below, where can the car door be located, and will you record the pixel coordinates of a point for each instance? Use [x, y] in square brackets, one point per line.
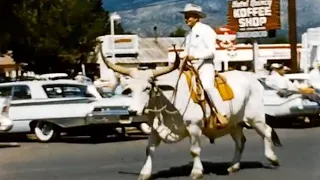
[17, 113]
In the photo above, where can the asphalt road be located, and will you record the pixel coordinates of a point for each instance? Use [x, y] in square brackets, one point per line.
[80, 159]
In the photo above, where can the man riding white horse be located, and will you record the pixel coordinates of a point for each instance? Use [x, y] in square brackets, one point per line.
[171, 120]
[200, 49]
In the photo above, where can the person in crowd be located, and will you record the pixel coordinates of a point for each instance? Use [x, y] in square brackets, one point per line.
[83, 79]
[314, 76]
[285, 87]
[277, 80]
[79, 77]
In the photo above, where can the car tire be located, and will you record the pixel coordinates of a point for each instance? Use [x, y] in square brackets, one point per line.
[46, 132]
[98, 136]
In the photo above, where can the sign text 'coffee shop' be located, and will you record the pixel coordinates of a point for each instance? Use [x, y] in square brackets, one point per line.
[253, 18]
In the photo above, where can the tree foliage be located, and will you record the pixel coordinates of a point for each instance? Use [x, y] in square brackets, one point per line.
[48, 32]
[179, 32]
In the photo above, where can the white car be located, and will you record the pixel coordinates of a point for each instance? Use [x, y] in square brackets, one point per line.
[54, 76]
[48, 108]
[293, 105]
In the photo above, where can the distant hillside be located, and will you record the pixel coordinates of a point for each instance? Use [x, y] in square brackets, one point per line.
[164, 14]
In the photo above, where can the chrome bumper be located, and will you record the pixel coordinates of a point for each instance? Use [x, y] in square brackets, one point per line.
[113, 115]
[305, 109]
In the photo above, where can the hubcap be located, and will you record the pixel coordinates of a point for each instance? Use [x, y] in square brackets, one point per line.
[46, 129]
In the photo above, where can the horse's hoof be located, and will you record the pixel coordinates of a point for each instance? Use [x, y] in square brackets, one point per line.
[234, 168]
[144, 176]
[196, 175]
[274, 162]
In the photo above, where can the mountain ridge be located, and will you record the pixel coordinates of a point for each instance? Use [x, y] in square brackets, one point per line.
[140, 16]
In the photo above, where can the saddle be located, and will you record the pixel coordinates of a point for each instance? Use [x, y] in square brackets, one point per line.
[198, 96]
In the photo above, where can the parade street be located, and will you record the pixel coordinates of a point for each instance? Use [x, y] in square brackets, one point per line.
[80, 159]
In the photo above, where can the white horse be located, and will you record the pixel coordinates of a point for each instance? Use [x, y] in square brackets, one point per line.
[173, 121]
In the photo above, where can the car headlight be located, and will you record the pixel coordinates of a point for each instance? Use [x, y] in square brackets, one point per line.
[89, 117]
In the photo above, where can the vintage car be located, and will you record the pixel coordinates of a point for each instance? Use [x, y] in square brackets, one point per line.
[48, 108]
[294, 105]
[54, 76]
[6, 124]
[300, 80]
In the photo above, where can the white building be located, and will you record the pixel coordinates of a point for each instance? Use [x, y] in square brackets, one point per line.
[310, 52]
[243, 54]
[130, 51]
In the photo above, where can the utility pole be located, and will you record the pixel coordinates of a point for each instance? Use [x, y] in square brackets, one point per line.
[292, 18]
[155, 33]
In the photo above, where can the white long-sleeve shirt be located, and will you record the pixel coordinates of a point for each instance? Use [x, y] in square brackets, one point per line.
[278, 82]
[200, 42]
[314, 78]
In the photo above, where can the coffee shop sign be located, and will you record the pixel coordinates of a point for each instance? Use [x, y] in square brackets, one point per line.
[254, 15]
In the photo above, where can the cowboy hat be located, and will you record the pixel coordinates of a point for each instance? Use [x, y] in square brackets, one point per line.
[276, 66]
[195, 9]
[286, 68]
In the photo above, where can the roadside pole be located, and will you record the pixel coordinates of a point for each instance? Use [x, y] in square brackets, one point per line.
[248, 24]
[255, 53]
[292, 18]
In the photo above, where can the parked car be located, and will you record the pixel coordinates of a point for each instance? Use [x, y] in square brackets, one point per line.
[292, 106]
[48, 108]
[54, 76]
[6, 123]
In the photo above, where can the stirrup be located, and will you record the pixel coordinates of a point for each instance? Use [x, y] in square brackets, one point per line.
[223, 120]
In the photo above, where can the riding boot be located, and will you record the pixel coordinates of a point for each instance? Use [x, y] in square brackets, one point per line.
[223, 120]
[215, 98]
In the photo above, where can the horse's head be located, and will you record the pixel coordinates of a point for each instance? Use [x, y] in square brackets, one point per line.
[141, 84]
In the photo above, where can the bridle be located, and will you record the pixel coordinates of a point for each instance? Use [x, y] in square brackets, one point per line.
[156, 92]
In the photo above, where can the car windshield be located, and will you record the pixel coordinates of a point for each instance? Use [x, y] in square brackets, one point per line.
[265, 86]
[60, 77]
[66, 90]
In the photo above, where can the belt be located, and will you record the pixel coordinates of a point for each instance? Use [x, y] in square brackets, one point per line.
[201, 61]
